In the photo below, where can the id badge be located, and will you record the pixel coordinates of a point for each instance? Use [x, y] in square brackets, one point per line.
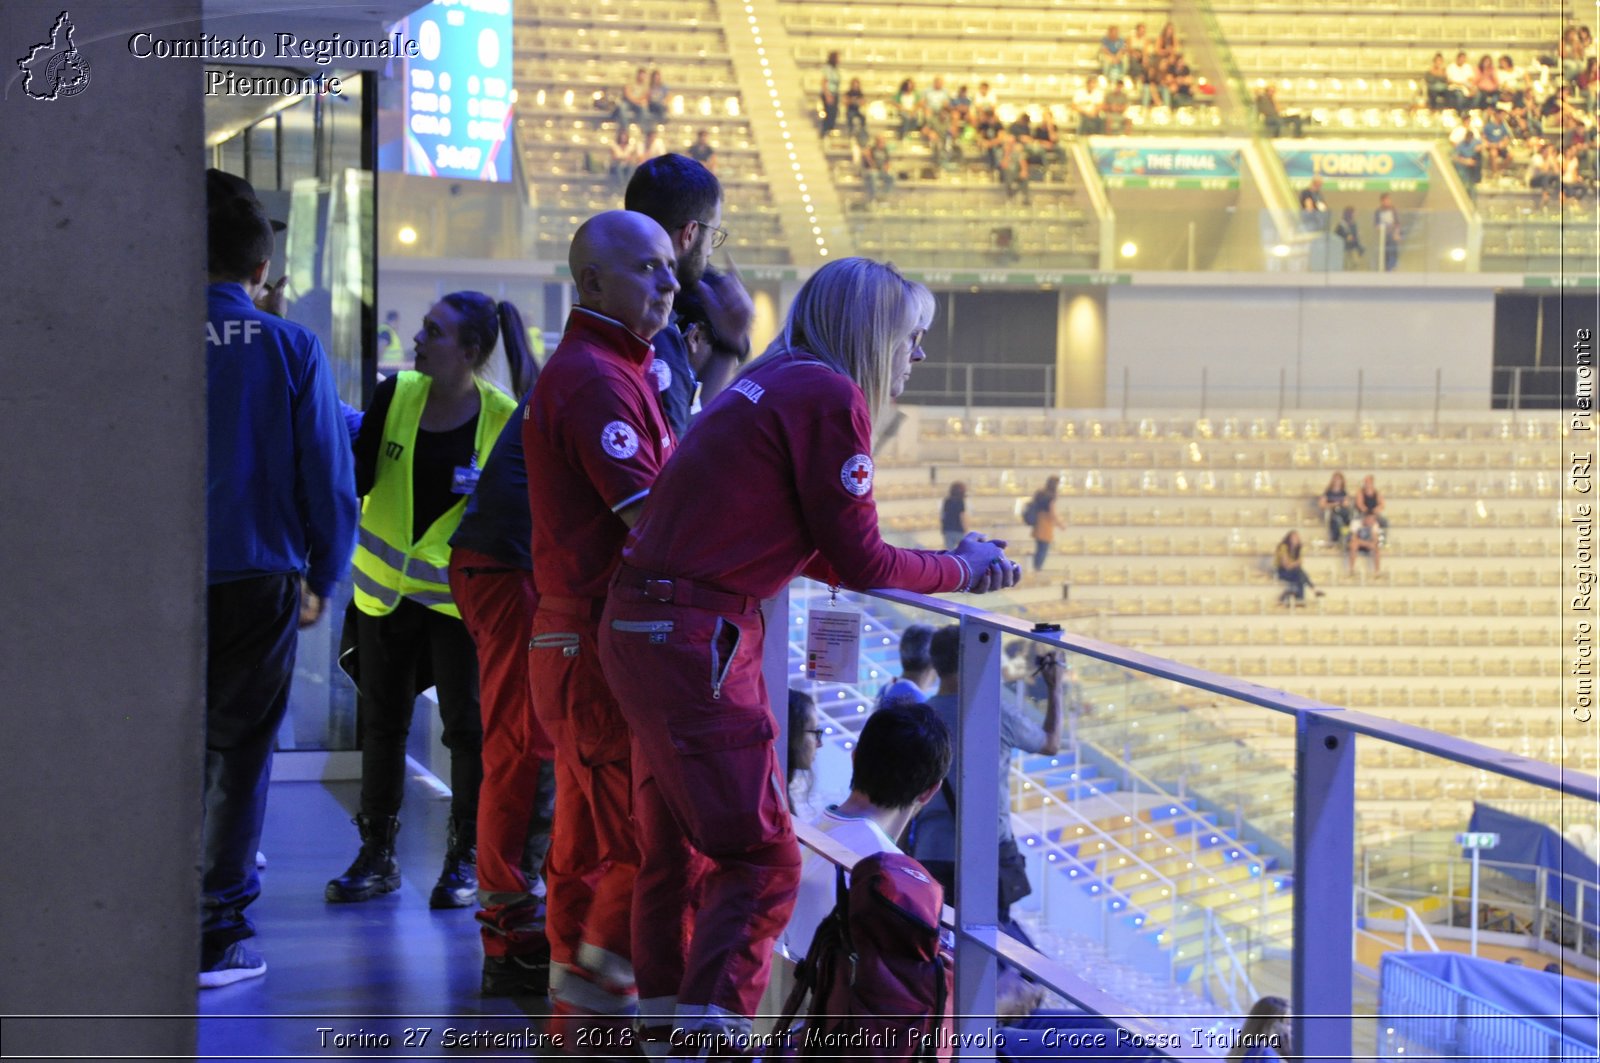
[464, 480]
[833, 645]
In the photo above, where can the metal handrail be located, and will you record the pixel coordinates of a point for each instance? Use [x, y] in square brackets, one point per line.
[1235, 966]
[1411, 917]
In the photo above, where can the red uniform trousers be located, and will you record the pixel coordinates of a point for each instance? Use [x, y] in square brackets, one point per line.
[593, 860]
[497, 603]
[706, 780]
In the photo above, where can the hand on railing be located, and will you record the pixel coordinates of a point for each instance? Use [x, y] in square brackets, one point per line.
[986, 560]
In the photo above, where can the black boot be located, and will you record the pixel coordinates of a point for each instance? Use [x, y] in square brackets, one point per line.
[374, 870]
[458, 882]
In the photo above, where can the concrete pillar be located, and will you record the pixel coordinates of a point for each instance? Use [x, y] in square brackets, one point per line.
[102, 639]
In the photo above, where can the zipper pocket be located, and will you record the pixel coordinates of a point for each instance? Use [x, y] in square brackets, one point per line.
[565, 641]
[719, 666]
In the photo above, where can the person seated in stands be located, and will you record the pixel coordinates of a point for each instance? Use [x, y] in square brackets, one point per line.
[1513, 81]
[702, 152]
[1110, 55]
[917, 676]
[1369, 502]
[656, 103]
[935, 116]
[1087, 104]
[907, 102]
[897, 767]
[1044, 147]
[1496, 143]
[1574, 181]
[1139, 40]
[932, 839]
[805, 738]
[1167, 42]
[654, 146]
[635, 102]
[960, 110]
[985, 98]
[1366, 538]
[855, 119]
[626, 155]
[1022, 128]
[1265, 1033]
[1467, 157]
[1460, 74]
[1138, 75]
[828, 98]
[1012, 163]
[953, 515]
[986, 136]
[1544, 171]
[1114, 107]
[1182, 90]
[1436, 83]
[1286, 559]
[875, 169]
[1335, 502]
[1485, 84]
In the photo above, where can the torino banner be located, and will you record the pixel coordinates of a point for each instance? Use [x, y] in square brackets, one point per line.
[1357, 169]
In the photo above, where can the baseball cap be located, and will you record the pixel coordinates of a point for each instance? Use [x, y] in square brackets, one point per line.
[221, 187]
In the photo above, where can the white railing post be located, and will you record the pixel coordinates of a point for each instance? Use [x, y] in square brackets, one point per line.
[977, 813]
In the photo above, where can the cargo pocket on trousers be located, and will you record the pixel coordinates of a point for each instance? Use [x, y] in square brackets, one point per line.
[732, 794]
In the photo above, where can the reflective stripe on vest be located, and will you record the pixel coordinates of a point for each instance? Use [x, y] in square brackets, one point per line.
[388, 566]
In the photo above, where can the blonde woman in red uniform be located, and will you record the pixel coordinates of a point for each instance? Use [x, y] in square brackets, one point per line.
[775, 479]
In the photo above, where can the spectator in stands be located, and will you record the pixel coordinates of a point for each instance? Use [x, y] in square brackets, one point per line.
[908, 102]
[1167, 42]
[1266, 1032]
[917, 676]
[655, 145]
[1348, 231]
[626, 155]
[1313, 208]
[1138, 75]
[1182, 85]
[1110, 56]
[805, 738]
[1574, 181]
[986, 136]
[1467, 157]
[1087, 104]
[1496, 142]
[1544, 171]
[655, 104]
[934, 114]
[1114, 108]
[1045, 147]
[985, 97]
[1365, 537]
[1368, 501]
[1460, 74]
[1286, 559]
[1513, 81]
[635, 102]
[1436, 82]
[1042, 517]
[1335, 502]
[1272, 120]
[1012, 163]
[702, 152]
[953, 515]
[829, 96]
[897, 767]
[1485, 84]
[932, 837]
[875, 169]
[855, 120]
[1140, 40]
[1386, 220]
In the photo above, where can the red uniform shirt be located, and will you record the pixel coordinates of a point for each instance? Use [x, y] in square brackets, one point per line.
[778, 473]
[594, 440]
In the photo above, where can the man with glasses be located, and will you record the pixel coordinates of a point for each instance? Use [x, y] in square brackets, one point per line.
[685, 199]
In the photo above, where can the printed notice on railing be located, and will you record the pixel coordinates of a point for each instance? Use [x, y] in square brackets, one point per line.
[833, 645]
[1579, 510]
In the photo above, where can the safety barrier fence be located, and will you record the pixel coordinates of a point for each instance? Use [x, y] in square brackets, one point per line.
[1325, 871]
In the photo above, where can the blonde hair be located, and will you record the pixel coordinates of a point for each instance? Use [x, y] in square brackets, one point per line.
[850, 315]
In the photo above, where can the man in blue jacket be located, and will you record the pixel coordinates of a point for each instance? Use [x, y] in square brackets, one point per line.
[281, 517]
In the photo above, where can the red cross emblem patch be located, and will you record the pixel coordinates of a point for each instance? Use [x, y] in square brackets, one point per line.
[619, 439]
[857, 475]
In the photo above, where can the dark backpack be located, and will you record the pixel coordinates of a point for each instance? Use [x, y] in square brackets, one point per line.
[1030, 512]
[878, 976]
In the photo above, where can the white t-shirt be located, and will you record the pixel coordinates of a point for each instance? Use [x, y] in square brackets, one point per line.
[817, 894]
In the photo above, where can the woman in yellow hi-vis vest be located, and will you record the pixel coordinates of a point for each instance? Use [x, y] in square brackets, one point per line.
[422, 442]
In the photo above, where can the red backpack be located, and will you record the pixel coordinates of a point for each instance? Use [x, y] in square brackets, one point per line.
[878, 975]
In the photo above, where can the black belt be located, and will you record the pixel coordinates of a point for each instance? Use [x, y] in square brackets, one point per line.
[679, 591]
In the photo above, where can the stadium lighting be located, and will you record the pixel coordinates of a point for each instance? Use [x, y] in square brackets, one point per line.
[407, 235]
[1458, 254]
[1281, 251]
[1129, 249]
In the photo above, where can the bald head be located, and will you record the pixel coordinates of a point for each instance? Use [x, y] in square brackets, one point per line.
[623, 265]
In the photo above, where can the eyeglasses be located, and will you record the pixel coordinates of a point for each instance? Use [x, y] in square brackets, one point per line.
[815, 733]
[719, 235]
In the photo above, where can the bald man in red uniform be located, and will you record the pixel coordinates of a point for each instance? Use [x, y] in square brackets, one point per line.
[594, 439]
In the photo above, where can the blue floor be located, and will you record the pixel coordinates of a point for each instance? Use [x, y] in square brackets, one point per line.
[387, 978]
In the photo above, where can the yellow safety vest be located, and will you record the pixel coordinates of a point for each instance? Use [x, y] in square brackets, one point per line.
[388, 566]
